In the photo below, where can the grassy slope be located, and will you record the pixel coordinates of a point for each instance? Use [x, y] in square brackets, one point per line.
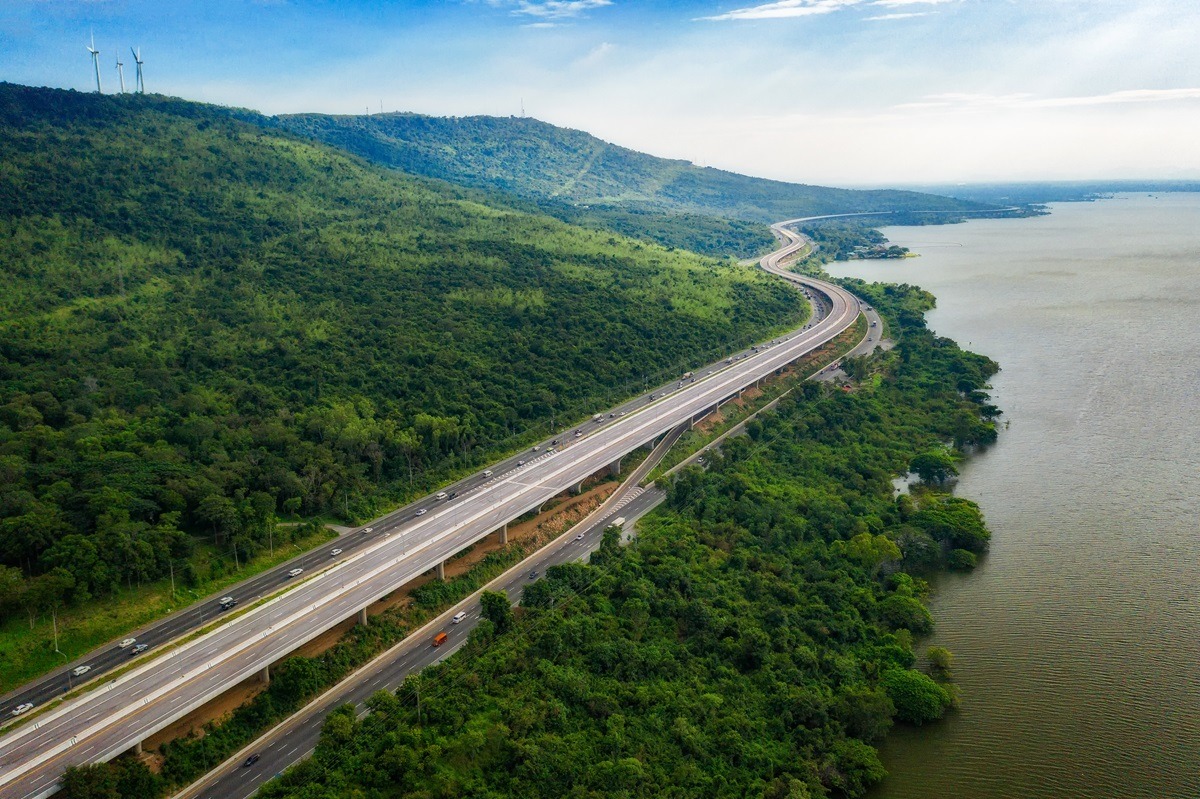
[201, 316]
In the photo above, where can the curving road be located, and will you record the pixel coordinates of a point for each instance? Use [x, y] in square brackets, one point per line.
[114, 716]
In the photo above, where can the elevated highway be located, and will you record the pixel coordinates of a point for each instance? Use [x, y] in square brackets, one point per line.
[116, 715]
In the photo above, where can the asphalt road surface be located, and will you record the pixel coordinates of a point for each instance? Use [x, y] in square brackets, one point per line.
[117, 714]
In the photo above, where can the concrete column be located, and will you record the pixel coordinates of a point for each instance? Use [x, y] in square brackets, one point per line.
[577, 488]
[362, 617]
[441, 571]
[614, 468]
[137, 748]
[504, 535]
[691, 423]
[264, 676]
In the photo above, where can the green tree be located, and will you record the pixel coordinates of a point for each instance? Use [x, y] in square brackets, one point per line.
[917, 698]
[496, 608]
[934, 466]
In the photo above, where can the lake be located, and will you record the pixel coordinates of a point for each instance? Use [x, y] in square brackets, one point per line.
[1077, 637]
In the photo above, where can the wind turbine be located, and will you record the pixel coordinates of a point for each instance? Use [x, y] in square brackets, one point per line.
[95, 61]
[120, 72]
[140, 88]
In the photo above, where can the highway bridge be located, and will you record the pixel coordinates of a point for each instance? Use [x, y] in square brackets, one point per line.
[115, 715]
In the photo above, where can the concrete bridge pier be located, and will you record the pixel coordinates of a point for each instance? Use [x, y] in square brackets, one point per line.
[441, 571]
[577, 488]
[504, 535]
[614, 468]
[362, 616]
[264, 676]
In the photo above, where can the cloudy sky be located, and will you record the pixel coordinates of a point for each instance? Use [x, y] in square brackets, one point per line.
[843, 92]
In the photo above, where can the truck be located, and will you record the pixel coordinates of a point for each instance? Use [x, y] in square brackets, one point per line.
[439, 639]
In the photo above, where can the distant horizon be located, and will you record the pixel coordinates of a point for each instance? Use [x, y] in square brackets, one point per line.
[828, 92]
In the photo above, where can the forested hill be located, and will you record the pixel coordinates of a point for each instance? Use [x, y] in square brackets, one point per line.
[205, 322]
[539, 161]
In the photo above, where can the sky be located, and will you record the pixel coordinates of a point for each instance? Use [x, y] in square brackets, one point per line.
[834, 92]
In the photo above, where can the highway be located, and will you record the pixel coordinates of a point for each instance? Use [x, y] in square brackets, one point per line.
[115, 715]
[295, 739]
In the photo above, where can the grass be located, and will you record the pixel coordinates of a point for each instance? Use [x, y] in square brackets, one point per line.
[26, 654]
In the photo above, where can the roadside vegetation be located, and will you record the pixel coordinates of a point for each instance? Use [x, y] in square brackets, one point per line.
[207, 325]
[757, 639]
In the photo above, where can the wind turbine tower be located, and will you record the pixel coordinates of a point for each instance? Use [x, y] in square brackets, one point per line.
[140, 86]
[95, 61]
[120, 72]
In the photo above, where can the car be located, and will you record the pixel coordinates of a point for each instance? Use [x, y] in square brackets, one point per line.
[295, 572]
[555, 441]
[139, 649]
[421, 511]
[250, 761]
[652, 396]
[579, 537]
[533, 575]
[333, 553]
[453, 494]
[610, 416]
[520, 463]
[24, 707]
[536, 448]
[368, 529]
[79, 671]
[127, 642]
[441, 495]
[227, 602]
[622, 413]
[487, 472]
[458, 617]
[578, 433]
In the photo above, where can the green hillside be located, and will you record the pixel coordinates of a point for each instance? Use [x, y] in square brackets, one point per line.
[206, 322]
[572, 169]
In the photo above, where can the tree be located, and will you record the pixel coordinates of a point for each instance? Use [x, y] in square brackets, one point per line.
[497, 609]
[941, 663]
[917, 698]
[934, 466]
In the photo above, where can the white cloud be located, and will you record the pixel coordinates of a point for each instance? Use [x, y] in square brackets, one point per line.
[905, 15]
[967, 101]
[595, 55]
[558, 9]
[787, 9]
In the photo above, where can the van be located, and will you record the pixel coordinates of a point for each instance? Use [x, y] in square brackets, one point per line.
[458, 617]
[439, 639]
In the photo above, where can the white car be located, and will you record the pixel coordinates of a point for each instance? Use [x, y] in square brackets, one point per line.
[295, 572]
[24, 707]
[421, 511]
[487, 472]
[579, 537]
[79, 671]
[127, 642]
[333, 553]
[368, 529]
[441, 495]
[458, 617]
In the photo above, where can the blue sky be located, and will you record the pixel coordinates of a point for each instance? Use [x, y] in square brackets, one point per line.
[843, 92]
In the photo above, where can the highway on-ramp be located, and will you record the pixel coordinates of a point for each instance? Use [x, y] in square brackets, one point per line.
[116, 715]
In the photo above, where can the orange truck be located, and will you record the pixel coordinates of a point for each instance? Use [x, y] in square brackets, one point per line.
[439, 639]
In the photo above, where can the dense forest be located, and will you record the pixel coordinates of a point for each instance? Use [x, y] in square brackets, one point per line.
[575, 175]
[756, 640]
[206, 323]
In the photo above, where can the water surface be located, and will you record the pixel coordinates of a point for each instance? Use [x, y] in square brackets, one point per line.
[1077, 638]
